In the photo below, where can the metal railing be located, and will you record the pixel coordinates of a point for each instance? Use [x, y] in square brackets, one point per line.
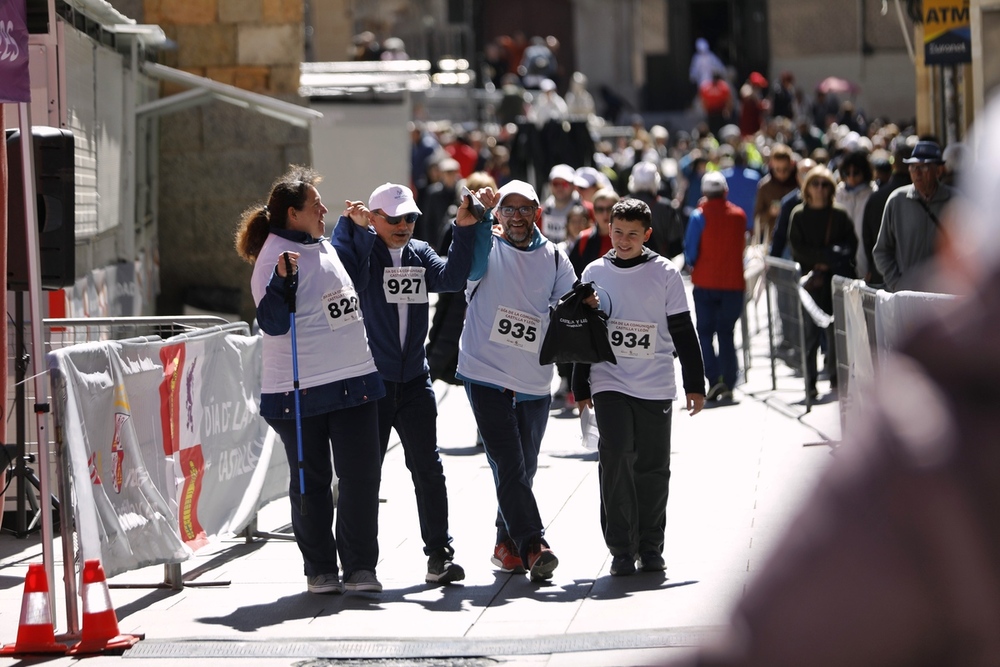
[785, 307]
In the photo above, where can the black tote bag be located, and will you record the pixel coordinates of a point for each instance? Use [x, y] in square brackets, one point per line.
[577, 333]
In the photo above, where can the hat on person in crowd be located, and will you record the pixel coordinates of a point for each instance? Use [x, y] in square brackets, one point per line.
[926, 152]
[645, 177]
[393, 199]
[730, 131]
[547, 85]
[517, 188]
[757, 79]
[659, 132]
[713, 183]
[563, 172]
[449, 164]
[587, 177]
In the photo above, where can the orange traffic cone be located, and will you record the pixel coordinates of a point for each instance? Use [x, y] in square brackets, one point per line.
[35, 633]
[100, 625]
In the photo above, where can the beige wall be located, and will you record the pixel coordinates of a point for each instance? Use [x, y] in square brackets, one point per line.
[332, 29]
[217, 159]
[252, 44]
[985, 15]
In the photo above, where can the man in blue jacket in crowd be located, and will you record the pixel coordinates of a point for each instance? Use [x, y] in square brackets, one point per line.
[393, 274]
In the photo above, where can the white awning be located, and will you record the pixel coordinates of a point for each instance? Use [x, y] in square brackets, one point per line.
[204, 90]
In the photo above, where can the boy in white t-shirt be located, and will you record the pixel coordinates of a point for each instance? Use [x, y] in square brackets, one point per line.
[649, 322]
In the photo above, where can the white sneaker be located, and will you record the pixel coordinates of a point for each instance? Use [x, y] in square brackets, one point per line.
[325, 583]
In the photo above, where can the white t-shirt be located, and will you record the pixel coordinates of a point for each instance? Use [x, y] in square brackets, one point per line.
[330, 333]
[404, 308]
[554, 218]
[508, 315]
[638, 301]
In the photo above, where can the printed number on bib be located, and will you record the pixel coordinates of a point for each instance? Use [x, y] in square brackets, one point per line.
[516, 329]
[405, 284]
[341, 307]
[632, 339]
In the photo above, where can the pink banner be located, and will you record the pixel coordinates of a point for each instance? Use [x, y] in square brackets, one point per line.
[15, 85]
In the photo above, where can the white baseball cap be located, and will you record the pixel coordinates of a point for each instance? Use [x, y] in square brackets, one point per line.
[517, 188]
[393, 199]
[563, 172]
[713, 182]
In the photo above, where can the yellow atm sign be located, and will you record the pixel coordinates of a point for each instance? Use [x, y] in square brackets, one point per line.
[947, 35]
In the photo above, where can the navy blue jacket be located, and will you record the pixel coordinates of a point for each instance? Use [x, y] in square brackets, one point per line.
[365, 256]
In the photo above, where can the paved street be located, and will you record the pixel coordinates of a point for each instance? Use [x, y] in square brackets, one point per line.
[738, 472]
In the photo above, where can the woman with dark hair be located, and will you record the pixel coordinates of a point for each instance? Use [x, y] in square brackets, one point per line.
[822, 239]
[338, 388]
[853, 191]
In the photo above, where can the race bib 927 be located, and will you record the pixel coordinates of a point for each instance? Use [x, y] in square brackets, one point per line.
[405, 284]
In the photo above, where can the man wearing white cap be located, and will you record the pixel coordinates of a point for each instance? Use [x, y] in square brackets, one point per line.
[393, 274]
[716, 237]
[509, 299]
[667, 238]
[562, 197]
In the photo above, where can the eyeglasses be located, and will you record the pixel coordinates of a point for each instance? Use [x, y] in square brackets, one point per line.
[524, 211]
[602, 209]
[820, 184]
[853, 172]
[409, 218]
[922, 166]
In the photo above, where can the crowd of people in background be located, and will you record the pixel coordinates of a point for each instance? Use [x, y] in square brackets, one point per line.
[767, 141]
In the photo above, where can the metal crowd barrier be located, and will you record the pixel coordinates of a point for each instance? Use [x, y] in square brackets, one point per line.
[60, 333]
[784, 307]
[844, 356]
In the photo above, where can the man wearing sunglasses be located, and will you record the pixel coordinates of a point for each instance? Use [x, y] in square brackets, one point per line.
[509, 298]
[393, 274]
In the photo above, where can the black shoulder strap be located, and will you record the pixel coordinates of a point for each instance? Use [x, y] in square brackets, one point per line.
[934, 218]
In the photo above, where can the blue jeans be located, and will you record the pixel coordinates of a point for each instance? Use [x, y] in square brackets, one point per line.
[512, 436]
[353, 433]
[411, 408]
[717, 312]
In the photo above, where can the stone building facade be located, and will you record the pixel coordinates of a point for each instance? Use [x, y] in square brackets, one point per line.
[217, 159]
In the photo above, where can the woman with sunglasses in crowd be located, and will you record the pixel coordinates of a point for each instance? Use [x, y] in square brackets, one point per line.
[853, 191]
[298, 280]
[821, 236]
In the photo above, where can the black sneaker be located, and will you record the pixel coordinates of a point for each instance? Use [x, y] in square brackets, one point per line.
[622, 565]
[652, 562]
[441, 569]
[716, 391]
[541, 560]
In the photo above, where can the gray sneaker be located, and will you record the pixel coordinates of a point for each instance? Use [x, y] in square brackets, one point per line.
[364, 581]
[325, 583]
[441, 569]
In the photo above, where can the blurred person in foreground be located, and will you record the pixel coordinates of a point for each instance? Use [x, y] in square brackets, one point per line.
[895, 559]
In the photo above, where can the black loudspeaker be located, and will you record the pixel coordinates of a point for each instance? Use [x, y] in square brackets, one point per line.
[54, 192]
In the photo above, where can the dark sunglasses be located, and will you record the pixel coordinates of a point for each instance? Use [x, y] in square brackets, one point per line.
[409, 218]
[602, 209]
